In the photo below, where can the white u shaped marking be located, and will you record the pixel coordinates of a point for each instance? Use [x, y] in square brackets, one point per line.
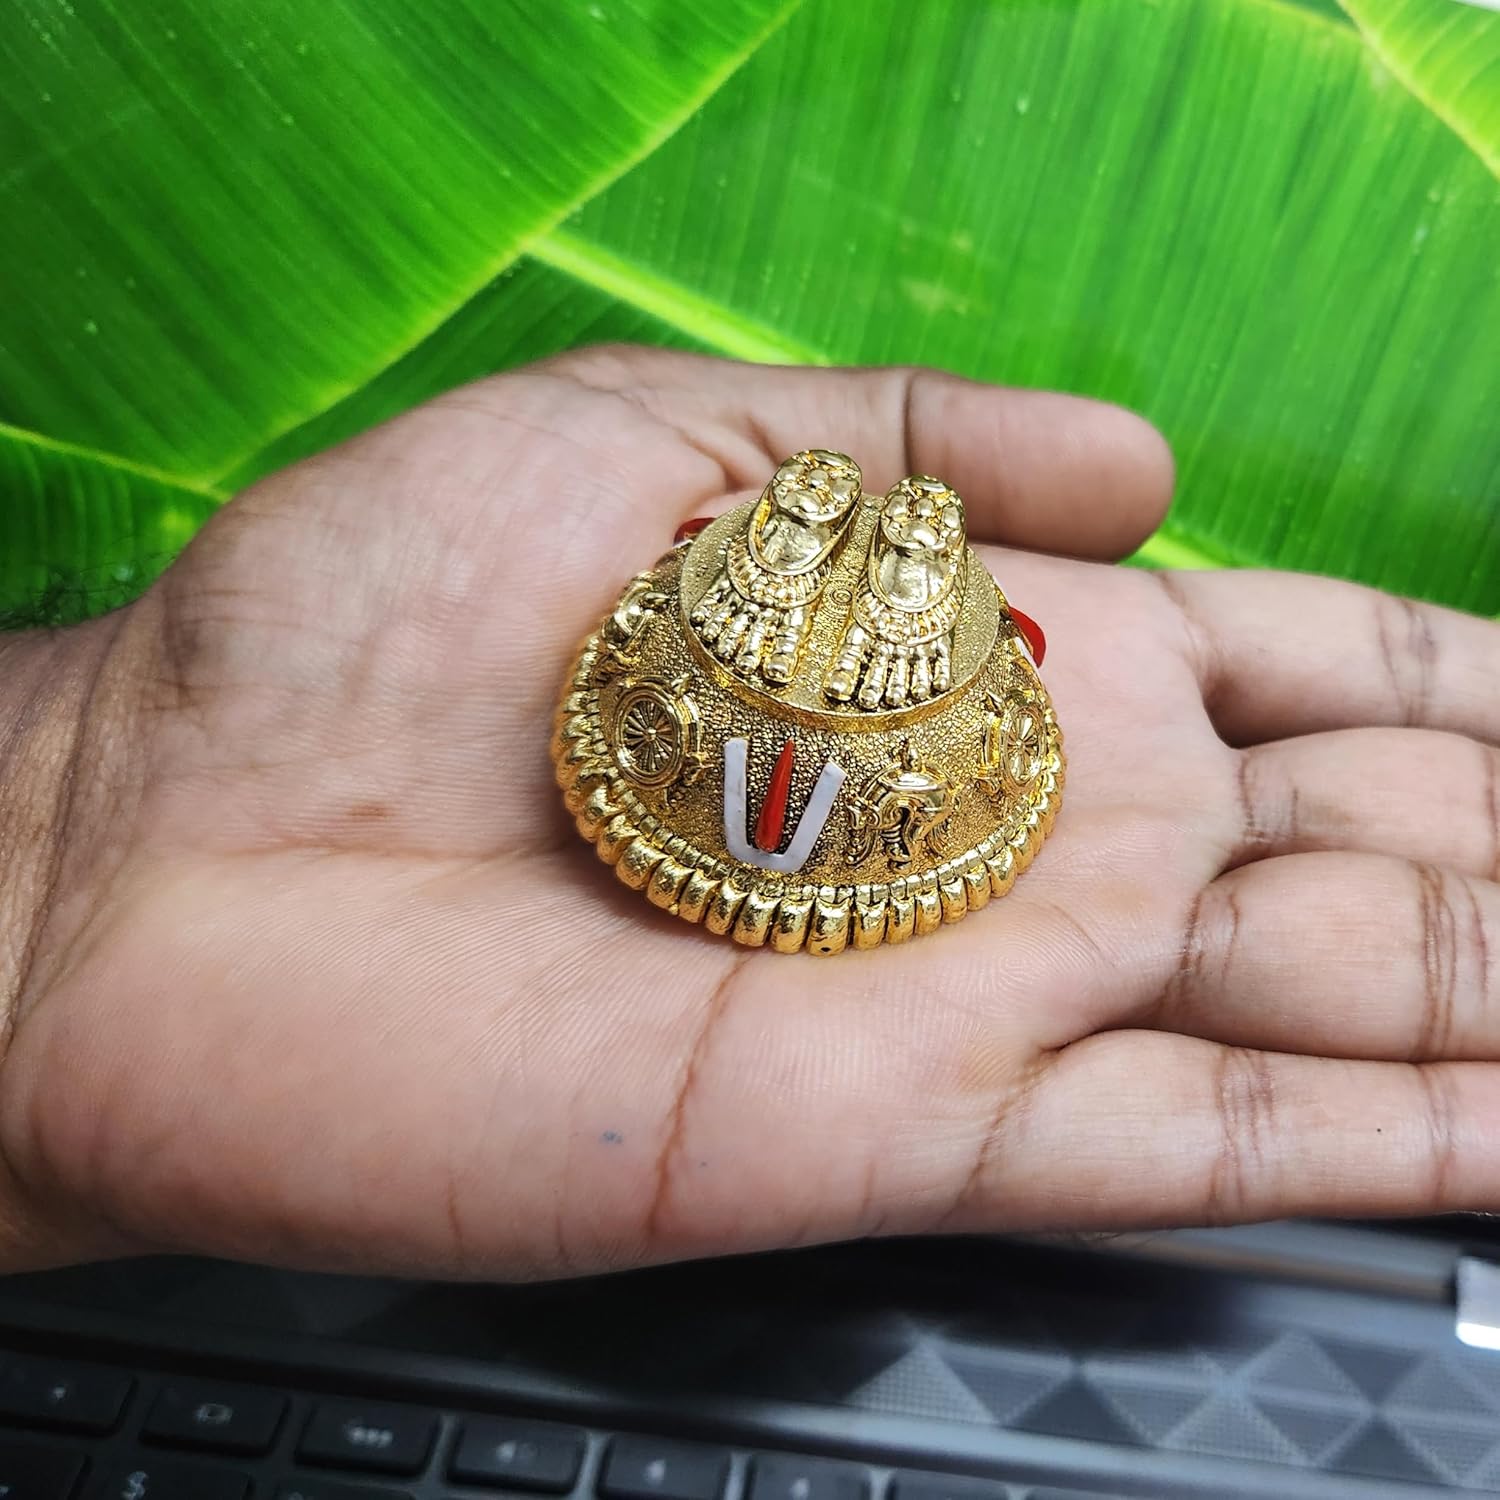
[737, 807]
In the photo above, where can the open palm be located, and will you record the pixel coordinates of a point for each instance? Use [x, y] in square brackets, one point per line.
[348, 989]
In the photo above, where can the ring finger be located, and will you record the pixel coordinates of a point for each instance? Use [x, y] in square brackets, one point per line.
[1341, 955]
[1422, 794]
[1281, 654]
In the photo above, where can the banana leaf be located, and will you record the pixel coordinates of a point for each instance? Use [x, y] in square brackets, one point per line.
[1448, 54]
[223, 219]
[1272, 231]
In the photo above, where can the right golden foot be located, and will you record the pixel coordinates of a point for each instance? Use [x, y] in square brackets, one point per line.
[896, 648]
[756, 613]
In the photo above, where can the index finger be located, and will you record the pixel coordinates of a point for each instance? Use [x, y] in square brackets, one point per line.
[1035, 469]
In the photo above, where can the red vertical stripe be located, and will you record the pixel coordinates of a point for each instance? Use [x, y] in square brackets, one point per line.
[772, 820]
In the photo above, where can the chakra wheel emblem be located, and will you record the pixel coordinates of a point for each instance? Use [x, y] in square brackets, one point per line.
[1015, 746]
[655, 734]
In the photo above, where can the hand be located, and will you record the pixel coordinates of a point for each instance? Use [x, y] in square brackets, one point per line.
[337, 983]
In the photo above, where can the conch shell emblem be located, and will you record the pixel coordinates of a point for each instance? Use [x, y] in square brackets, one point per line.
[905, 808]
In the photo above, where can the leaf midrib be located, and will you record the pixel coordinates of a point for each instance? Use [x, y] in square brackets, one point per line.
[116, 462]
[689, 312]
[1487, 156]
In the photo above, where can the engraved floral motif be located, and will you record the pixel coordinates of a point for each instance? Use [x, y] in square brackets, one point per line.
[650, 737]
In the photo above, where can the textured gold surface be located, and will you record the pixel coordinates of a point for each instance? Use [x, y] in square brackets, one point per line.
[945, 798]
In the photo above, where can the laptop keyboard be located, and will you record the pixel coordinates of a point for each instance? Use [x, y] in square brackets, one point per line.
[77, 1431]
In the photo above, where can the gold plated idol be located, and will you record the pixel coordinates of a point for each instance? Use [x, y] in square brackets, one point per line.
[816, 722]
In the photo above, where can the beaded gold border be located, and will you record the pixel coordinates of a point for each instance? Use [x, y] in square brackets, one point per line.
[758, 908]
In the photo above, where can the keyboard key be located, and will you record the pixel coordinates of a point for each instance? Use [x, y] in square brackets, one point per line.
[148, 1478]
[784, 1476]
[76, 1398]
[645, 1469]
[519, 1455]
[30, 1472]
[385, 1439]
[316, 1489]
[232, 1419]
[945, 1487]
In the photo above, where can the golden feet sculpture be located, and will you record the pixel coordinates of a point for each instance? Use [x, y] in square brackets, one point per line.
[897, 648]
[815, 723]
[757, 611]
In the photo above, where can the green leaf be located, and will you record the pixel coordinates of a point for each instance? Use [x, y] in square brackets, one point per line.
[1448, 54]
[526, 313]
[1250, 233]
[84, 532]
[236, 215]
[1328, 8]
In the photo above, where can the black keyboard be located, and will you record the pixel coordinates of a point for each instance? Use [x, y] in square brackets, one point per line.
[949, 1370]
[75, 1430]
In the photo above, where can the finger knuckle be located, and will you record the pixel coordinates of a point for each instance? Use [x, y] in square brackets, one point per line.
[1438, 944]
[1245, 1100]
[1439, 1115]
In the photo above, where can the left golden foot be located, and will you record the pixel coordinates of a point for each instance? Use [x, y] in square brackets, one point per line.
[756, 613]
